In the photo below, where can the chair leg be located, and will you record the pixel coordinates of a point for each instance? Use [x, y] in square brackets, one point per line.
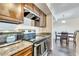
[74, 43]
[67, 42]
[61, 42]
[56, 38]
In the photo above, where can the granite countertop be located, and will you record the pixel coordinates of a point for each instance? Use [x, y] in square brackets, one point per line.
[42, 36]
[39, 37]
[12, 49]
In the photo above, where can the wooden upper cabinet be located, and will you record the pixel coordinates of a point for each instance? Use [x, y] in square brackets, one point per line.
[36, 10]
[29, 6]
[11, 12]
[32, 7]
[42, 19]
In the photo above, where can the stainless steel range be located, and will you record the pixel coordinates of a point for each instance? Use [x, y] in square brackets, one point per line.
[40, 48]
[39, 43]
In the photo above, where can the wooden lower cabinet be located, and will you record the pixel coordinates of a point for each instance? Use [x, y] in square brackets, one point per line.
[25, 52]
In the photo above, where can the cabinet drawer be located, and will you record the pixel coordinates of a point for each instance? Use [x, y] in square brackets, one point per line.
[24, 52]
[28, 53]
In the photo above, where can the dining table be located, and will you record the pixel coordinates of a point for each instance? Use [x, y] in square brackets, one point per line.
[64, 36]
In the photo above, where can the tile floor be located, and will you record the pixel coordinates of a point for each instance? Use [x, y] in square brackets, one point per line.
[63, 51]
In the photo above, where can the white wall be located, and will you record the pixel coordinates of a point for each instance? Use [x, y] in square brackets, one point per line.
[71, 25]
[51, 24]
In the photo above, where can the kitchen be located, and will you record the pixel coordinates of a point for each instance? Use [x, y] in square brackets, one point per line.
[25, 29]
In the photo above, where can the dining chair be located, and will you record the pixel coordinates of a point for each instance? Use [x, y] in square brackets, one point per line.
[74, 39]
[57, 36]
[64, 36]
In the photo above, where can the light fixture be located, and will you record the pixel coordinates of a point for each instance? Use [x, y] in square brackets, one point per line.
[63, 21]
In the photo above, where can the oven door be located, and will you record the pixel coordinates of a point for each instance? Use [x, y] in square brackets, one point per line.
[45, 49]
[40, 49]
[37, 49]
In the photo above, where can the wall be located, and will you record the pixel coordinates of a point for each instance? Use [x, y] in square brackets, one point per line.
[70, 26]
[77, 44]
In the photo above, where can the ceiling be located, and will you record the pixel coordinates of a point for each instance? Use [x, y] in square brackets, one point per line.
[65, 10]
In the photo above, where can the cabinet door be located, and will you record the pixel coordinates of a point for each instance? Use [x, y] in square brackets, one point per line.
[42, 19]
[29, 6]
[37, 23]
[32, 7]
[36, 10]
[32, 22]
[20, 12]
[11, 12]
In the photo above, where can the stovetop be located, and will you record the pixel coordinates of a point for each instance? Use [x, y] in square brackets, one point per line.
[36, 39]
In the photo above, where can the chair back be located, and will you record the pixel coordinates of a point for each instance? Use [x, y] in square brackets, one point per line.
[64, 35]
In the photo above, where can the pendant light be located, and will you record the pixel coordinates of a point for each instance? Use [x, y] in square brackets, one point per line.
[63, 21]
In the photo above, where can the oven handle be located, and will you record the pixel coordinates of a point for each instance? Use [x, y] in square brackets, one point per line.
[36, 45]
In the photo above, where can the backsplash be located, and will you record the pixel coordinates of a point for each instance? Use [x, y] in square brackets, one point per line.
[7, 26]
[15, 27]
[9, 37]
